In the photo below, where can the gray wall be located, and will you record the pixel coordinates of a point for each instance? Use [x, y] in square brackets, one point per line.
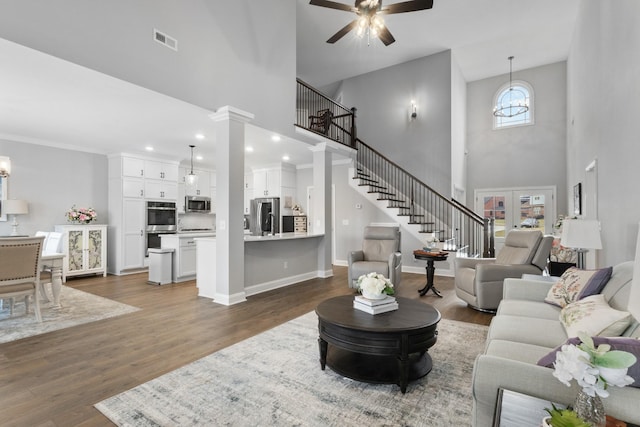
[458, 129]
[603, 86]
[227, 53]
[522, 156]
[383, 98]
[348, 236]
[52, 180]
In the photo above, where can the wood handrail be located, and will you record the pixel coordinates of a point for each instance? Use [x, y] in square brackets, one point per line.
[477, 218]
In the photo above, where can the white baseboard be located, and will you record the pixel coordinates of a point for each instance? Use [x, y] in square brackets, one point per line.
[408, 269]
[230, 299]
[285, 281]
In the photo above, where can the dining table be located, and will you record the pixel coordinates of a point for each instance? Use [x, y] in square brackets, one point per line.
[53, 262]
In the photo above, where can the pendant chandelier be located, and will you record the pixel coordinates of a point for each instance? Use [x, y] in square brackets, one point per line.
[513, 102]
[191, 178]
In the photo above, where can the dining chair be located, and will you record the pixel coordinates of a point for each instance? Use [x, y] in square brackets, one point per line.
[20, 259]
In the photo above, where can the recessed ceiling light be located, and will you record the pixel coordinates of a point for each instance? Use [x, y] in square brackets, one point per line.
[148, 148]
[199, 136]
[275, 138]
[198, 157]
[249, 149]
[285, 157]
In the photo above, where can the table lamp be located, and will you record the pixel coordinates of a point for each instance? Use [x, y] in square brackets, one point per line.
[581, 235]
[15, 207]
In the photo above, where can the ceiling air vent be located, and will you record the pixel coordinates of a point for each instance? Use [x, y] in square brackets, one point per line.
[166, 40]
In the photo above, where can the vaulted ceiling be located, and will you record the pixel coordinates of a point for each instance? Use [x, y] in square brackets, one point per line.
[73, 107]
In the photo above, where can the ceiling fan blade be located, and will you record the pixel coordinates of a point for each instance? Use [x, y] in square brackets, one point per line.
[337, 36]
[333, 5]
[385, 36]
[407, 6]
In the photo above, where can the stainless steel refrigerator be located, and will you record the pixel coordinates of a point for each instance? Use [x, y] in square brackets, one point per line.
[265, 216]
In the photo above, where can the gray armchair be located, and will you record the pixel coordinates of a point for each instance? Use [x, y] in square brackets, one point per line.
[380, 253]
[479, 281]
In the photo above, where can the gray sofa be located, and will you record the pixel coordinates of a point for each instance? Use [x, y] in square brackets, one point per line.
[526, 328]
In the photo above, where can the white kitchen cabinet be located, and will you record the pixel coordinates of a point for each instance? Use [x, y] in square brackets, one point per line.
[132, 181]
[133, 187]
[248, 192]
[266, 183]
[161, 170]
[158, 189]
[202, 188]
[133, 224]
[85, 249]
[184, 256]
[133, 167]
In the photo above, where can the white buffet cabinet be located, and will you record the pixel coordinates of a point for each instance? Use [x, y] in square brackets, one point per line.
[85, 249]
[184, 255]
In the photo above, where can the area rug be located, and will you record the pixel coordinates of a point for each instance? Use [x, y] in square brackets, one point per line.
[274, 379]
[78, 307]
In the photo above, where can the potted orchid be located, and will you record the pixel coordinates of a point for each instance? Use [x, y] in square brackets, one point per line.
[595, 370]
[374, 286]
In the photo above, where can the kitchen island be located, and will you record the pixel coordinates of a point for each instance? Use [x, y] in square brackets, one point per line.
[184, 255]
[270, 262]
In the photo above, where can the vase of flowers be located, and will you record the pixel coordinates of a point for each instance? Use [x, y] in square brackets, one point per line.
[595, 370]
[374, 286]
[81, 215]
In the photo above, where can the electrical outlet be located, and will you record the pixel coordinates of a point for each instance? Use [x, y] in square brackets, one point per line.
[286, 264]
[345, 222]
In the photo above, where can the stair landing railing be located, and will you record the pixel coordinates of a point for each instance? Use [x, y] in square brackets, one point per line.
[450, 220]
[320, 114]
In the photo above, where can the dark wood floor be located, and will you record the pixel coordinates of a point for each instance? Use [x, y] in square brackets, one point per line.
[55, 378]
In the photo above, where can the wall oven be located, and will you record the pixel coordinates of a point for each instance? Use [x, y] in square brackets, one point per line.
[162, 218]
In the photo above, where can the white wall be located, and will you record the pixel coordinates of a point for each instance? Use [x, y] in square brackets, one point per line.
[227, 53]
[383, 98]
[523, 156]
[52, 180]
[603, 124]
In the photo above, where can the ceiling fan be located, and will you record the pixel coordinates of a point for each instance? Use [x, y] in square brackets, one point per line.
[369, 20]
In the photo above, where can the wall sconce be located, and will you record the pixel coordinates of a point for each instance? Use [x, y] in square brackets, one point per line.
[414, 110]
[15, 207]
[5, 166]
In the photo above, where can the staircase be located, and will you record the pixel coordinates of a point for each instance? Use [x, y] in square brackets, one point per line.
[417, 206]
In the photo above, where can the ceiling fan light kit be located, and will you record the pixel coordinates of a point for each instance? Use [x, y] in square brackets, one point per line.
[369, 21]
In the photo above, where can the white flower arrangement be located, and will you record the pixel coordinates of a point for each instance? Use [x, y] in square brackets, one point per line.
[374, 284]
[431, 239]
[594, 369]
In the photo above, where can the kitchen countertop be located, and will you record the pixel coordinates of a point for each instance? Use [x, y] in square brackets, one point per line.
[280, 236]
[190, 234]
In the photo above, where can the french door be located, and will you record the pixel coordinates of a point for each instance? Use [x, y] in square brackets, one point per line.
[528, 208]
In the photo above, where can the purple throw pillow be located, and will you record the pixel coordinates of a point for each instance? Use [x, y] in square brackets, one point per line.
[630, 345]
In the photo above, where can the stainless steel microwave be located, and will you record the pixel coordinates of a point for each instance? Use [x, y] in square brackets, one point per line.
[197, 204]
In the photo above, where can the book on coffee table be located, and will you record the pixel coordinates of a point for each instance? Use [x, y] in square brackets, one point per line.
[374, 302]
[377, 309]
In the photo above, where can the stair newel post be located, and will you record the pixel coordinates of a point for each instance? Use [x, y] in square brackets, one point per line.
[492, 243]
[486, 251]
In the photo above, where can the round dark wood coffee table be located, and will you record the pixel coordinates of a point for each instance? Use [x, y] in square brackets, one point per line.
[387, 348]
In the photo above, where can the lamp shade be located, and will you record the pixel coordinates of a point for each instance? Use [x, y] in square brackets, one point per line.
[15, 207]
[581, 234]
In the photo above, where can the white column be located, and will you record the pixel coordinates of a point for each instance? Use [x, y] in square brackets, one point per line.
[230, 131]
[322, 206]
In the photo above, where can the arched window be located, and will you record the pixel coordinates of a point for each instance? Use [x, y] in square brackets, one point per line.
[509, 98]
